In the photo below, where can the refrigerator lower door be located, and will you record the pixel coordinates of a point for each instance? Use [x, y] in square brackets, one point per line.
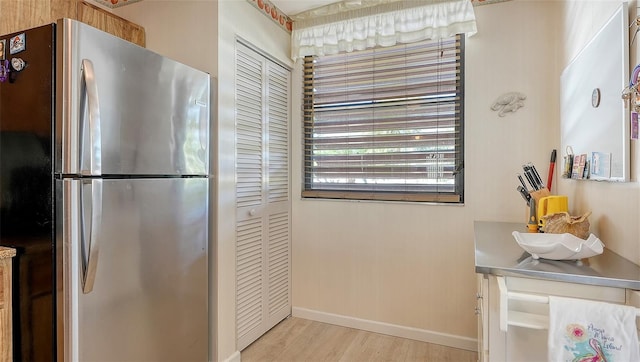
[149, 294]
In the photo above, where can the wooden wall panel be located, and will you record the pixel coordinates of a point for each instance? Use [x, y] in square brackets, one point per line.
[25, 14]
[111, 23]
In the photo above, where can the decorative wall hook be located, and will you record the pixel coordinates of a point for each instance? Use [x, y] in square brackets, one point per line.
[508, 103]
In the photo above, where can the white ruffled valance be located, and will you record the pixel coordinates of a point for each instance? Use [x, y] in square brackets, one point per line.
[385, 24]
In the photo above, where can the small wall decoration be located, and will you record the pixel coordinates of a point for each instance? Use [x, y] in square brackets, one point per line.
[272, 12]
[508, 103]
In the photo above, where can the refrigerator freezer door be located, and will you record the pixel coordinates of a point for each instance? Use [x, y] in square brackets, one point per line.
[150, 289]
[153, 111]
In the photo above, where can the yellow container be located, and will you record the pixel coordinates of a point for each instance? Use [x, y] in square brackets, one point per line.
[550, 205]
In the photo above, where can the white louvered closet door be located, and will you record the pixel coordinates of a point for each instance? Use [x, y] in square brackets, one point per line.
[263, 244]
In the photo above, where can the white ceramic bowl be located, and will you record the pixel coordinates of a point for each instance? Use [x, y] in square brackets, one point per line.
[558, 246]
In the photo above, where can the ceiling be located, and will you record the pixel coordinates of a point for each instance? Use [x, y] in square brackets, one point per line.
[293, 7]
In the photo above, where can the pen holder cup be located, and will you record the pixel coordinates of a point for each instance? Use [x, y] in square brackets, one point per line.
[550, 205]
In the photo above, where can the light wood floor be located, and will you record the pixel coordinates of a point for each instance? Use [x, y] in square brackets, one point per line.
[296, 339]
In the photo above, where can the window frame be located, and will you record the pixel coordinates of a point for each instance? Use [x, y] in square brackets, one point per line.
[455, 197]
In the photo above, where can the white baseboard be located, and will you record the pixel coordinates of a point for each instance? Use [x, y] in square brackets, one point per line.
[450, 340]
[235, 357]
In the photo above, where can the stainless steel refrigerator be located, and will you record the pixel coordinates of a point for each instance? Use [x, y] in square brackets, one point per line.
[104, 192]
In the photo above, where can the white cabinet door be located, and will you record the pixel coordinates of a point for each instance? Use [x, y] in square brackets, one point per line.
[525, 338]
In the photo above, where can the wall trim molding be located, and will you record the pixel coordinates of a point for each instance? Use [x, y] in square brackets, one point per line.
[449, 340]
[235, 357]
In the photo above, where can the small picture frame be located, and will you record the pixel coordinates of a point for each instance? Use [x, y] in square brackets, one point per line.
[17, 44]
[3, 46]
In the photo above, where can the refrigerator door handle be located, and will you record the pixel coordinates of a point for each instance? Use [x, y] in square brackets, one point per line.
[91, 262]
[90, 88]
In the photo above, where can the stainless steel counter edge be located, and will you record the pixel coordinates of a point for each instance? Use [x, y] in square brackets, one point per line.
[497, 253]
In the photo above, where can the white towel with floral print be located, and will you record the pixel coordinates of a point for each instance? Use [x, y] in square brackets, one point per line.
[584, 330]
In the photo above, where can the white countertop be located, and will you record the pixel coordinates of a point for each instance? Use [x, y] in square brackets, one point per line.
[498, 253]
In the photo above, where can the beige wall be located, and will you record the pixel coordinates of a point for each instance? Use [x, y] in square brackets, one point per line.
[413, 264]
[184, 30]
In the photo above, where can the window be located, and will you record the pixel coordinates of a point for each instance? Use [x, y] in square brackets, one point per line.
[386, 123]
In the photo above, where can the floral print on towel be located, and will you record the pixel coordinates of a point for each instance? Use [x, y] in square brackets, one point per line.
[590, 343]
[588, 330]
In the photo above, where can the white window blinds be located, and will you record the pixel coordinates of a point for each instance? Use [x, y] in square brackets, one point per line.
[386, 123]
